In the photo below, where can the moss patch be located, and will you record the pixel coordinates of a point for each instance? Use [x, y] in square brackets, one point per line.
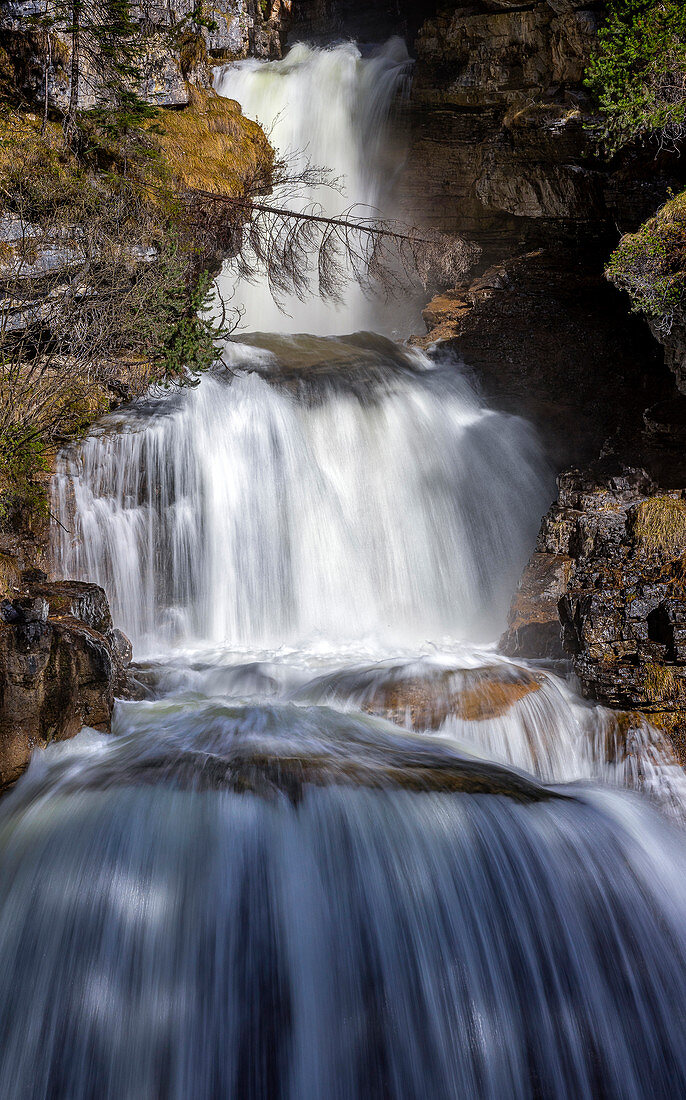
[651, 265]
[212, 146]
[672, 724]
[662, 685]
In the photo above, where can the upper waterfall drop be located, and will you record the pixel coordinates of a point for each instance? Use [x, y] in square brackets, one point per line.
[328, 108]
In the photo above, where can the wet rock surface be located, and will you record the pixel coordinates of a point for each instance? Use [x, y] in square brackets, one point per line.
[291, 776]
[548, 338]
[60, 663]
[275, 749]
[472, 696]
[423, 697]
[533, 626]
[614, 547]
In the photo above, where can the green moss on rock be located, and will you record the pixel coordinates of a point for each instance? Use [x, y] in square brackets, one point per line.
[659, 524]
[651, 265]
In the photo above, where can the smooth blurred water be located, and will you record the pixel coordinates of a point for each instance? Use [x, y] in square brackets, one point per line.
[160, 941]
[241, 513]
[339, 847]
[328, 108]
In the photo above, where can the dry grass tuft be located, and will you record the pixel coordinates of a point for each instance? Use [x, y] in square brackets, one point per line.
[211, 146]
[661, 684]
[660, 525]
[192, 52]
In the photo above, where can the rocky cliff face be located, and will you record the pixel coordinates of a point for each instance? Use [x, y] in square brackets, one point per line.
[498, 112]
[550, 339]
[173, 46]
[326, 20]
[607, 587]
[674, 343]
[61, 662]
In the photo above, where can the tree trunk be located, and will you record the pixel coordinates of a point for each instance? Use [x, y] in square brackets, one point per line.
[48, 70]
[75, 65]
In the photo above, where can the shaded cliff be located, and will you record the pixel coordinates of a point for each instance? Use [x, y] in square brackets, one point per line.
[498, 115]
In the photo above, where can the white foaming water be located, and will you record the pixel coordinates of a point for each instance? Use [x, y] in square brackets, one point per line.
[395, 506]
[329, 108]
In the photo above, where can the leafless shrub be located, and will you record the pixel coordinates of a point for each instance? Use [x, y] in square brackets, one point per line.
[667, 88]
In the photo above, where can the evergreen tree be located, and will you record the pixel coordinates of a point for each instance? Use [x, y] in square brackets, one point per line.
[638, 73]
[105, 59]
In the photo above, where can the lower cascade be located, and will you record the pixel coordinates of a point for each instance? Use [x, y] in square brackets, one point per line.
[336, 845]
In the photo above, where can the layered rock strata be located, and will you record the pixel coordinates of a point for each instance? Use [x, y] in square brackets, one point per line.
[607, 586]
[501, 147]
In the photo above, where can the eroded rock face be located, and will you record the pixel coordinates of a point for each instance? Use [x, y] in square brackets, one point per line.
[624, 611]
[239, 28]
[498, 113]
[614, 546]
[497, 116]
[60, 664]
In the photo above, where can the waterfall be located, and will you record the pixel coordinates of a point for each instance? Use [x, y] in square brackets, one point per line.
[336, 846]
[329, 109]
[359, 944]
[239, 513]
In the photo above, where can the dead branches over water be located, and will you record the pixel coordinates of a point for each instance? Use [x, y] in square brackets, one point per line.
[305, 251]
[105, 277]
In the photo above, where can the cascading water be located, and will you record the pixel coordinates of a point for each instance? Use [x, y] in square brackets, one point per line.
[305, 865]
[328, 109]
[395, 504]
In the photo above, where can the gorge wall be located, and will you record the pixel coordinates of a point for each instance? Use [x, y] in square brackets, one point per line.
[172, 46]
[498, 116]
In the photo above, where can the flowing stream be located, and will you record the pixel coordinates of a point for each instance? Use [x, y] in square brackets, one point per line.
[338, 847]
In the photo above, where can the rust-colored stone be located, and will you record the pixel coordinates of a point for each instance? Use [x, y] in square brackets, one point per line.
[470, 695]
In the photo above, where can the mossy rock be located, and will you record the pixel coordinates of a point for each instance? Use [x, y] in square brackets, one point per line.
[211, 146]
[651, 265]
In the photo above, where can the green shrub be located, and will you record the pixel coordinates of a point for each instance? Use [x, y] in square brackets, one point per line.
[638, 73]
